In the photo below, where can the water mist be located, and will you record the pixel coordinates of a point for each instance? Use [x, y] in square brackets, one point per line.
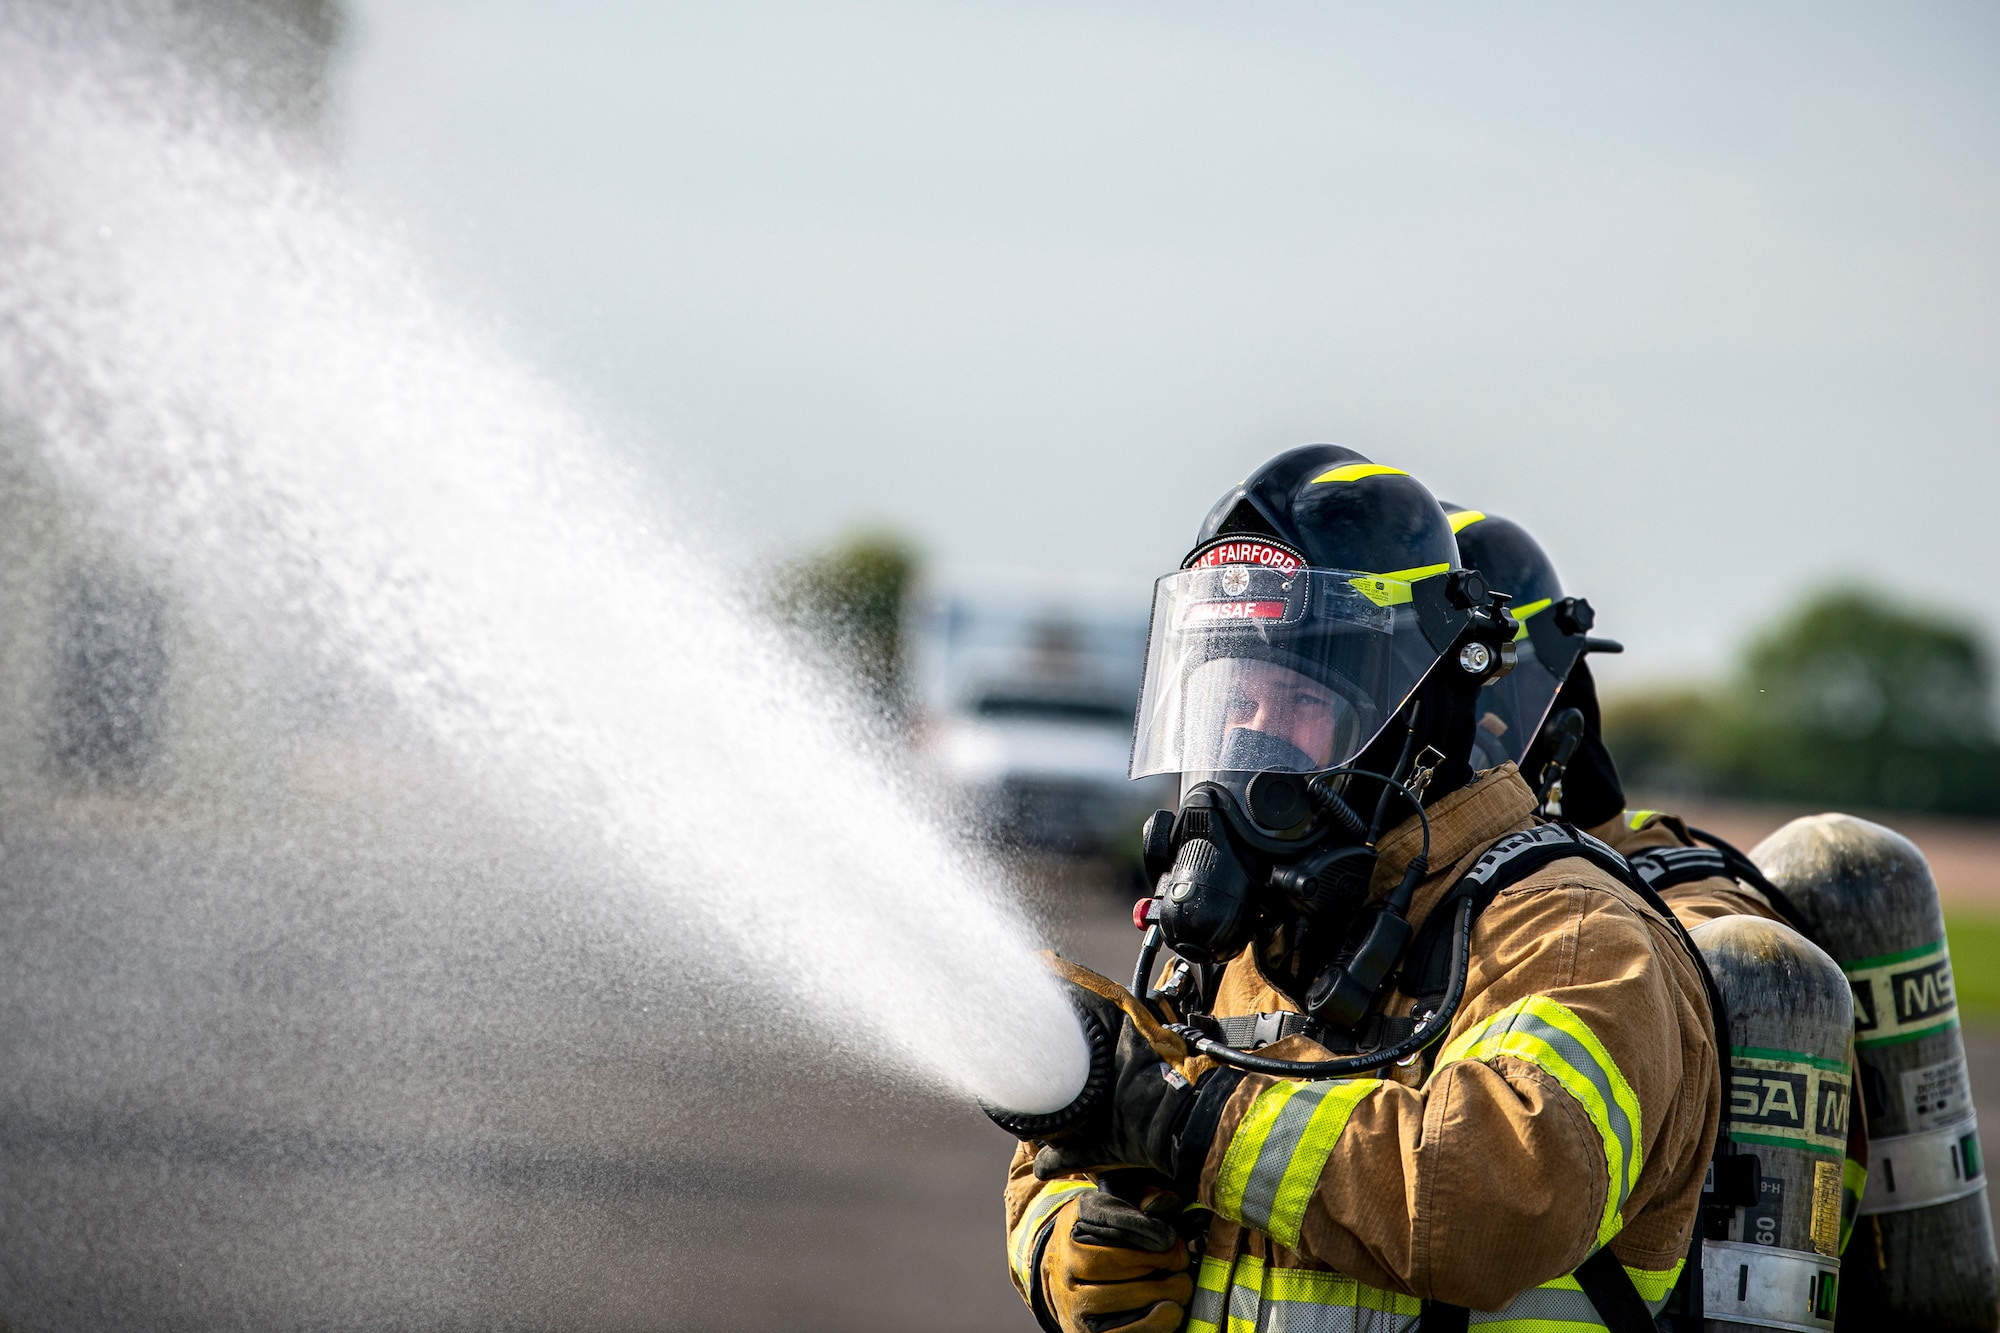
[454, 688]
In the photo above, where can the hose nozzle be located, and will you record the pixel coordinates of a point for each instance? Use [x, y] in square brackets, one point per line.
[1096, 1087]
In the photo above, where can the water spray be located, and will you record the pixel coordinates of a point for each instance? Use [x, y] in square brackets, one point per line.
[220, 362]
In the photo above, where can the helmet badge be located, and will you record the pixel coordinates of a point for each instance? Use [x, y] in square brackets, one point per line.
[1235, 580]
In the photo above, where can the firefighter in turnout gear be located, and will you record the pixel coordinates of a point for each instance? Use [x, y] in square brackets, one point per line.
[1421, 1056]
[1696, 874]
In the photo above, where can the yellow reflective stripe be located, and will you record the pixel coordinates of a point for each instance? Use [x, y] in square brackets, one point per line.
[1275, 1157]
[1561, 1307]
[1554, 1040]
[1393, 588]
[1021, 1245]
[1356, 471]
[1301, 1178]
[1211, 1297]
[1634, 818]
[1250, 1296]
[1554, 1307]
[1654, 1284]
[1461, 519]
[1246, 1143]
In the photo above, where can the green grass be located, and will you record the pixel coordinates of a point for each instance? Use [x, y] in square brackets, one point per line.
[1975, 964]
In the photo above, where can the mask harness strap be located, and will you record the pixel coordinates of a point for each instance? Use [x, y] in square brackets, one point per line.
[1388, 935]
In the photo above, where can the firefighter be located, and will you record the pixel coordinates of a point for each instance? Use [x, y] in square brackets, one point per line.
[1701, 878]
[1531, 1141]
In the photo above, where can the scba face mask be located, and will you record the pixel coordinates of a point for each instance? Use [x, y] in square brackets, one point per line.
[1264, 681]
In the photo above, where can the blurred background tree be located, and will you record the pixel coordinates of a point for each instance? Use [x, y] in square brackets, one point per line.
[1854, 699]
[848, 599]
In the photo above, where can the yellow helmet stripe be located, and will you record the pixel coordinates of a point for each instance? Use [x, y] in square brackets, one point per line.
[1521, 613]
[1356, 471]
[1461, 519]
[1393, 588]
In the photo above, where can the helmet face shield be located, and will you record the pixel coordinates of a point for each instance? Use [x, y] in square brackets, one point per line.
[1251, 669]
[1513, 708]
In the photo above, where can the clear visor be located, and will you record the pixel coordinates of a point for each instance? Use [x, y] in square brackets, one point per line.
[1255, 670]
[1513, 708]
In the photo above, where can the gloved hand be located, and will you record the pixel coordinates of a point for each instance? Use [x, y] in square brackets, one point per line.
[1155, 1083]
[1108, 1265]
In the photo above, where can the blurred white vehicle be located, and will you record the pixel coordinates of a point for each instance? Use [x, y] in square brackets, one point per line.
[1025, 691]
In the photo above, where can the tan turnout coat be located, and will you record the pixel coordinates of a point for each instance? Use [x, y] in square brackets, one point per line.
[1509, 1163]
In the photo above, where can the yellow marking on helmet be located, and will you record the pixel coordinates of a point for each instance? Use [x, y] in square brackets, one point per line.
[1393, 588]
[1521, 613]
[1461, 519]
[1356, 471]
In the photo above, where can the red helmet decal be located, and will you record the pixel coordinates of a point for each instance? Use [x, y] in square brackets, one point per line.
[1198, 612]
[1247, 551]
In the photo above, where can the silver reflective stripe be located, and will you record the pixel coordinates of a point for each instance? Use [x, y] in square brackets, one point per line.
[1243, 1302]
[1274, 1158]
[1579, 1058]
[1310, 1317]
[1562, 1303]
[1206, 1307]
[1767, 1286]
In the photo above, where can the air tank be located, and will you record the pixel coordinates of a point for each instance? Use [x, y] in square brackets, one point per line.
[1922, 1253]
[1786, 1102]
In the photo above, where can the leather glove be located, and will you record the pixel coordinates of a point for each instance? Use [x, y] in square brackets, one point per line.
[1156, 1083]
[1108, 1265]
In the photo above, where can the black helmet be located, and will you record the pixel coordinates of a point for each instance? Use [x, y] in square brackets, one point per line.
[1511, 711]
[1554, 636]
[1319, 597]
[1336, 510]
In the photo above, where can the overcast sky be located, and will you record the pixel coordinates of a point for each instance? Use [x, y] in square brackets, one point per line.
[1706, 295]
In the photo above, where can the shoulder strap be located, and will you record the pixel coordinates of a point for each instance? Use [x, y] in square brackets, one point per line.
[1505, 864]
[1508, 862]
[1610, 1289]
[1664, 868]
[1246, 1032]
[1743, 868]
